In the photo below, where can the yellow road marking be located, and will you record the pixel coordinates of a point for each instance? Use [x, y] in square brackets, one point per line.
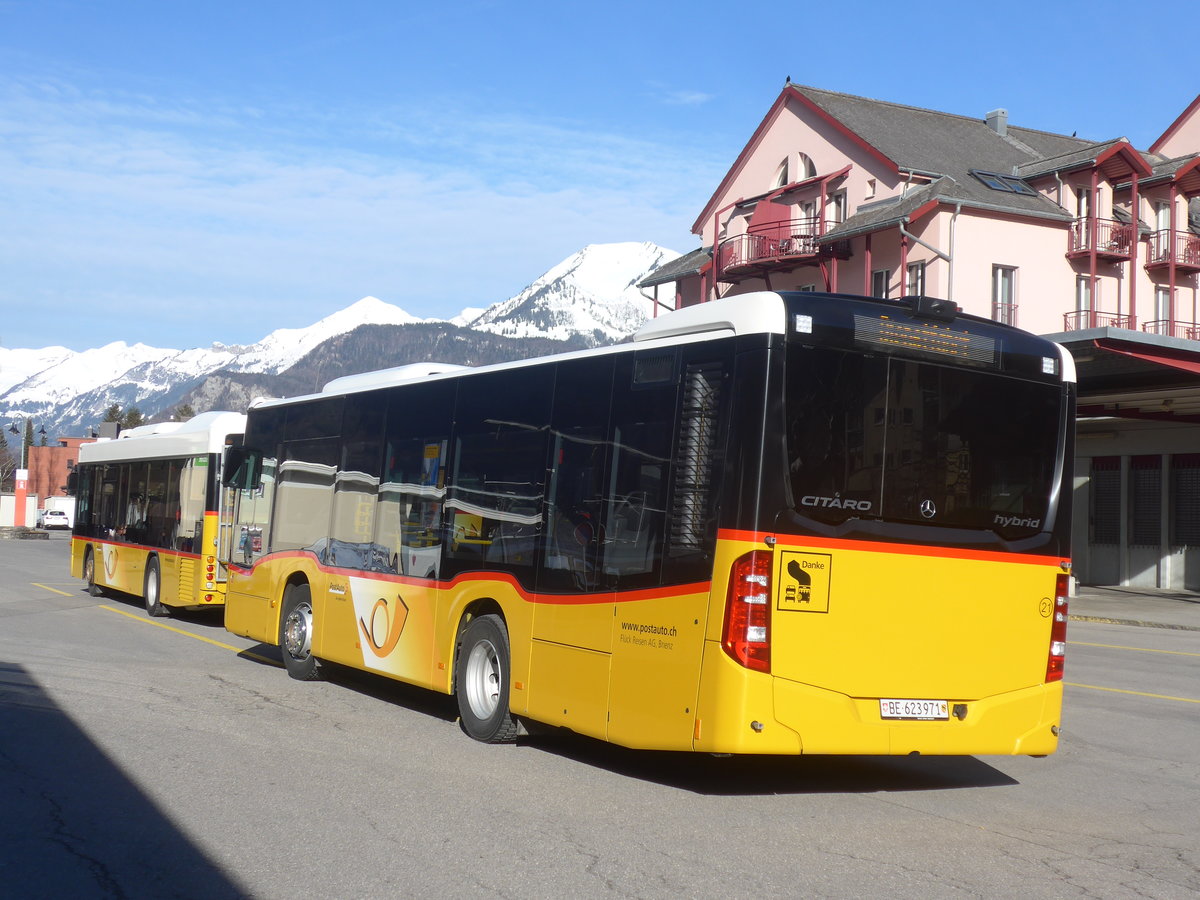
[1138, 649]
[1094, 687]
[47, 587]
[138, 618]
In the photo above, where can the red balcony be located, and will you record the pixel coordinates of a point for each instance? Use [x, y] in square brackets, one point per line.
[1113, 239]
[1180, 247]
[776, 246]
[1083, 319]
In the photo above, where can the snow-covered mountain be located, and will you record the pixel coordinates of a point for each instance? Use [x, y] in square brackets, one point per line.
[590, 295]
[593, 292]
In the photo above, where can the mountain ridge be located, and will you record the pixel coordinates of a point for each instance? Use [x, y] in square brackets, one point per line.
[588, 299]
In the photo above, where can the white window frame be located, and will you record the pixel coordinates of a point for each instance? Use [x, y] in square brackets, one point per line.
[1004, 294]
[914, 284]
[886, 285]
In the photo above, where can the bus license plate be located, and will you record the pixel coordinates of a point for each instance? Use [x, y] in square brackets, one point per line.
[914, 709]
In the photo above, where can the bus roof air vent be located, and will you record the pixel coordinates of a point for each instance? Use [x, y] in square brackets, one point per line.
[935, 308]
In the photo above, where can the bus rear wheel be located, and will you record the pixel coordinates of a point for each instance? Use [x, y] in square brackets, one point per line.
[152, 589]
[296, 632]
[482, 681]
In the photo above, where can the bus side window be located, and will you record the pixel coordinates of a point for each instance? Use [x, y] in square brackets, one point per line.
[494, 504]
[575, 501]
[642, 428]
[409, 528]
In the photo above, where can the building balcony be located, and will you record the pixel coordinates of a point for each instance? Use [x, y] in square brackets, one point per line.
[1111, 239]
[1083, 319]
[1189, 331]
[1181, 248]
[776, 246]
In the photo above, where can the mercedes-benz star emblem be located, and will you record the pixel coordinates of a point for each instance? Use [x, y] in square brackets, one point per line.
[928, 509]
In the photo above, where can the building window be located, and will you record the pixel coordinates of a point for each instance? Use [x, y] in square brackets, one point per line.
[1145, 514]
[781, 175]
[1083, 294]
[837, 208]
[915, 283]
[870, 188]
[1105, 482]
[1162, 304]
[1185, 500]
[879, 282]
[806, 167]
[1004, 294]
[807, 287]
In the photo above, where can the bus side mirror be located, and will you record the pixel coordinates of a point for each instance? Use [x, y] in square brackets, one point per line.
[243, 468]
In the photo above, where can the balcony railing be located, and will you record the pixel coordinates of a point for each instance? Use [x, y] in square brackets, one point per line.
[1181, 247]
[777, 245]
[1113, 239]
[1083, 319]
[1189, 331]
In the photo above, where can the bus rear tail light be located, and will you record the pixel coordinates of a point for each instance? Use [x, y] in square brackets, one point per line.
[1057, 658]
[747, 633]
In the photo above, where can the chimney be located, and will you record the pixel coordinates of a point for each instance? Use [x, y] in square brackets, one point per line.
[997, 120]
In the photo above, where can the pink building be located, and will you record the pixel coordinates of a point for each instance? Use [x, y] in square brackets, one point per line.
[1095, 243]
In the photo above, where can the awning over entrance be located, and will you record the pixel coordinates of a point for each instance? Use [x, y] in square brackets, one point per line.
[1132, 375]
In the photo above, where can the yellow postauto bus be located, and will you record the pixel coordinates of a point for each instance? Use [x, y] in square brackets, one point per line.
[146, 512]
[773, 524]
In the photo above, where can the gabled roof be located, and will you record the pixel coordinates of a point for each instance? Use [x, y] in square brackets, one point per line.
[934, 144]
[1193, 108]
[925, 140]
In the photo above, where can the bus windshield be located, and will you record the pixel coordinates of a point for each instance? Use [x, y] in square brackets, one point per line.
[875, 436]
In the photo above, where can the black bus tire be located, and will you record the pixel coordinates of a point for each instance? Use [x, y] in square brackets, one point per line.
[152, 589]
[296, 632]
[89, 574]
[481, 681]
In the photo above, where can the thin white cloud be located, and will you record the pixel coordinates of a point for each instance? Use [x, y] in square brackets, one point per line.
[276, 217]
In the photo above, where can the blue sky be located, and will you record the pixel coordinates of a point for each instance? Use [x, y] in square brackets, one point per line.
[179, 173]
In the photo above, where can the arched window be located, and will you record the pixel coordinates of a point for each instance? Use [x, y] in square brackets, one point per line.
[805, 169]
[781, 175]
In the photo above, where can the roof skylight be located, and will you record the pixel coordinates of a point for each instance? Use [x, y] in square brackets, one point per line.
[1010, 184]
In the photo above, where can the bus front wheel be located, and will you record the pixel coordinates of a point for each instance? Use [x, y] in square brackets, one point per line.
[481, 681]
[89, 574]
[296, 632]
[152, 589]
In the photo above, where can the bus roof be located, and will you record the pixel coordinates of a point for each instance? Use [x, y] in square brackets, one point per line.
[758, 312]
[204, 433]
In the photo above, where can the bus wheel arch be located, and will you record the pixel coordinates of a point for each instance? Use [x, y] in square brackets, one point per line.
[152, 587]
[483, 675]
[296, 631]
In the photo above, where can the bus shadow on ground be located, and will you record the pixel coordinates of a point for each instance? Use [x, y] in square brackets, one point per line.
[73, 824]
[703, 773]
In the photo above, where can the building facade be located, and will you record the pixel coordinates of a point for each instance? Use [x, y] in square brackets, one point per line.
[1097, 243]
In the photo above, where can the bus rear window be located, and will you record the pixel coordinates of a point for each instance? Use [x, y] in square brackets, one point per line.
[909, 441]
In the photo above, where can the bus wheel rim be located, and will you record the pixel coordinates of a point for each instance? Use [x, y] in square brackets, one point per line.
[297, 632]
[483, 679]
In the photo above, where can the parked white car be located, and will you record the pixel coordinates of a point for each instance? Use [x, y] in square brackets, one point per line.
[55, 518]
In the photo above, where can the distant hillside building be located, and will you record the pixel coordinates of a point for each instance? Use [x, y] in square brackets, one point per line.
[1094, 243]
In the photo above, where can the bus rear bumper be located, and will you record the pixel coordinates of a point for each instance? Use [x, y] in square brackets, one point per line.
[747, 712]
[1025, 721]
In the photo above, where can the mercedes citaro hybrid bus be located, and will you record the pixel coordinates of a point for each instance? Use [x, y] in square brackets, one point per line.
[777, 523]
[146, 512]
